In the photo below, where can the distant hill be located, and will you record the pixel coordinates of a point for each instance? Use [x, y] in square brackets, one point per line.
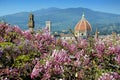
[64, 19]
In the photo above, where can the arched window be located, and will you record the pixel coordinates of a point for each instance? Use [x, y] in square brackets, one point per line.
[82, 34]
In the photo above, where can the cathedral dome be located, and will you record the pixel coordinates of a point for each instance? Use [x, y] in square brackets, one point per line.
[83, 25]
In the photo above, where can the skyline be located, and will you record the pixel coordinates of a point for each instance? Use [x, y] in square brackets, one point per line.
[16, 6]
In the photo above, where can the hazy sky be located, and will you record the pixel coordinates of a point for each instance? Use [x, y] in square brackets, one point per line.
[14, 6]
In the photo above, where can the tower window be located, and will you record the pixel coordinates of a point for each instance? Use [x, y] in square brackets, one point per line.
[82, 34]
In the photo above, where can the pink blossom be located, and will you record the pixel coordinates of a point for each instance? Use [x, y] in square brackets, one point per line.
[28, 35]
[18, 30]
[109, 76]
[117, 58]
[117, 49]
[60, 56]
[1, 39]
[46, 76]
[100, 47]
[82, 43]
[36, 70]
[111, 49]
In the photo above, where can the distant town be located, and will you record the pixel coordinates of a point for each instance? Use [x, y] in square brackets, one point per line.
[82, 29]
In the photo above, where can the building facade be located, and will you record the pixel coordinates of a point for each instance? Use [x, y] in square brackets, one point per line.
[82, 28]
[48, 25]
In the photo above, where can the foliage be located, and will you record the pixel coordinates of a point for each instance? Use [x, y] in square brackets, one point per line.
[26, 55]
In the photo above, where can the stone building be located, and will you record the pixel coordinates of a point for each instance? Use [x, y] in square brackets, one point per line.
[31, 22]
[82, 28]
[48, 25]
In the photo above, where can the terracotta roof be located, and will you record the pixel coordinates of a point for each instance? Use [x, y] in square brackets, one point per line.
[83, 25]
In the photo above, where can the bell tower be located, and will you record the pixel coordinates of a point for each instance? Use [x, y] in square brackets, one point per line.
[31, 22]
[48, 25]
[96, 34]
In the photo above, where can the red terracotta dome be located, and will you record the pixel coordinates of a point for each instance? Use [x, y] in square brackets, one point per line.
[83, 25]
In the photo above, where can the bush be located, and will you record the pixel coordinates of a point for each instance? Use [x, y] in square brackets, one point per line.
[38, 55]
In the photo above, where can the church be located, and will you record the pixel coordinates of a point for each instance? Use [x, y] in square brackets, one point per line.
[82, 29]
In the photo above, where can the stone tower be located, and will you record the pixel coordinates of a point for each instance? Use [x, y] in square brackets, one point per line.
[96, 34]
[48, 25]
[31, 22]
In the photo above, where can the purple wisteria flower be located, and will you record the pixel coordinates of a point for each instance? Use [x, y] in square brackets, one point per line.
[111, 50]
[117, 58]
[82, 43]
[100, 47]
[60, 56]
[117, 49]
[36, 70]
[1, 52]
[18, 30]
[1, 39]
[109, 76]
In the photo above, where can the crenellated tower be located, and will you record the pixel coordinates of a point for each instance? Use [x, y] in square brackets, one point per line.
[31, 22]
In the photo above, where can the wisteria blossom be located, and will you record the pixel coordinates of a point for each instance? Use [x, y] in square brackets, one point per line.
[39, 55]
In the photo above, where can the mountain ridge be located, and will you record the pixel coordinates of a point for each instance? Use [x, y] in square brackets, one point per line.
[63, 18]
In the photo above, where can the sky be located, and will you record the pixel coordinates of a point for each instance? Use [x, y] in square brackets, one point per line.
[15, 6]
